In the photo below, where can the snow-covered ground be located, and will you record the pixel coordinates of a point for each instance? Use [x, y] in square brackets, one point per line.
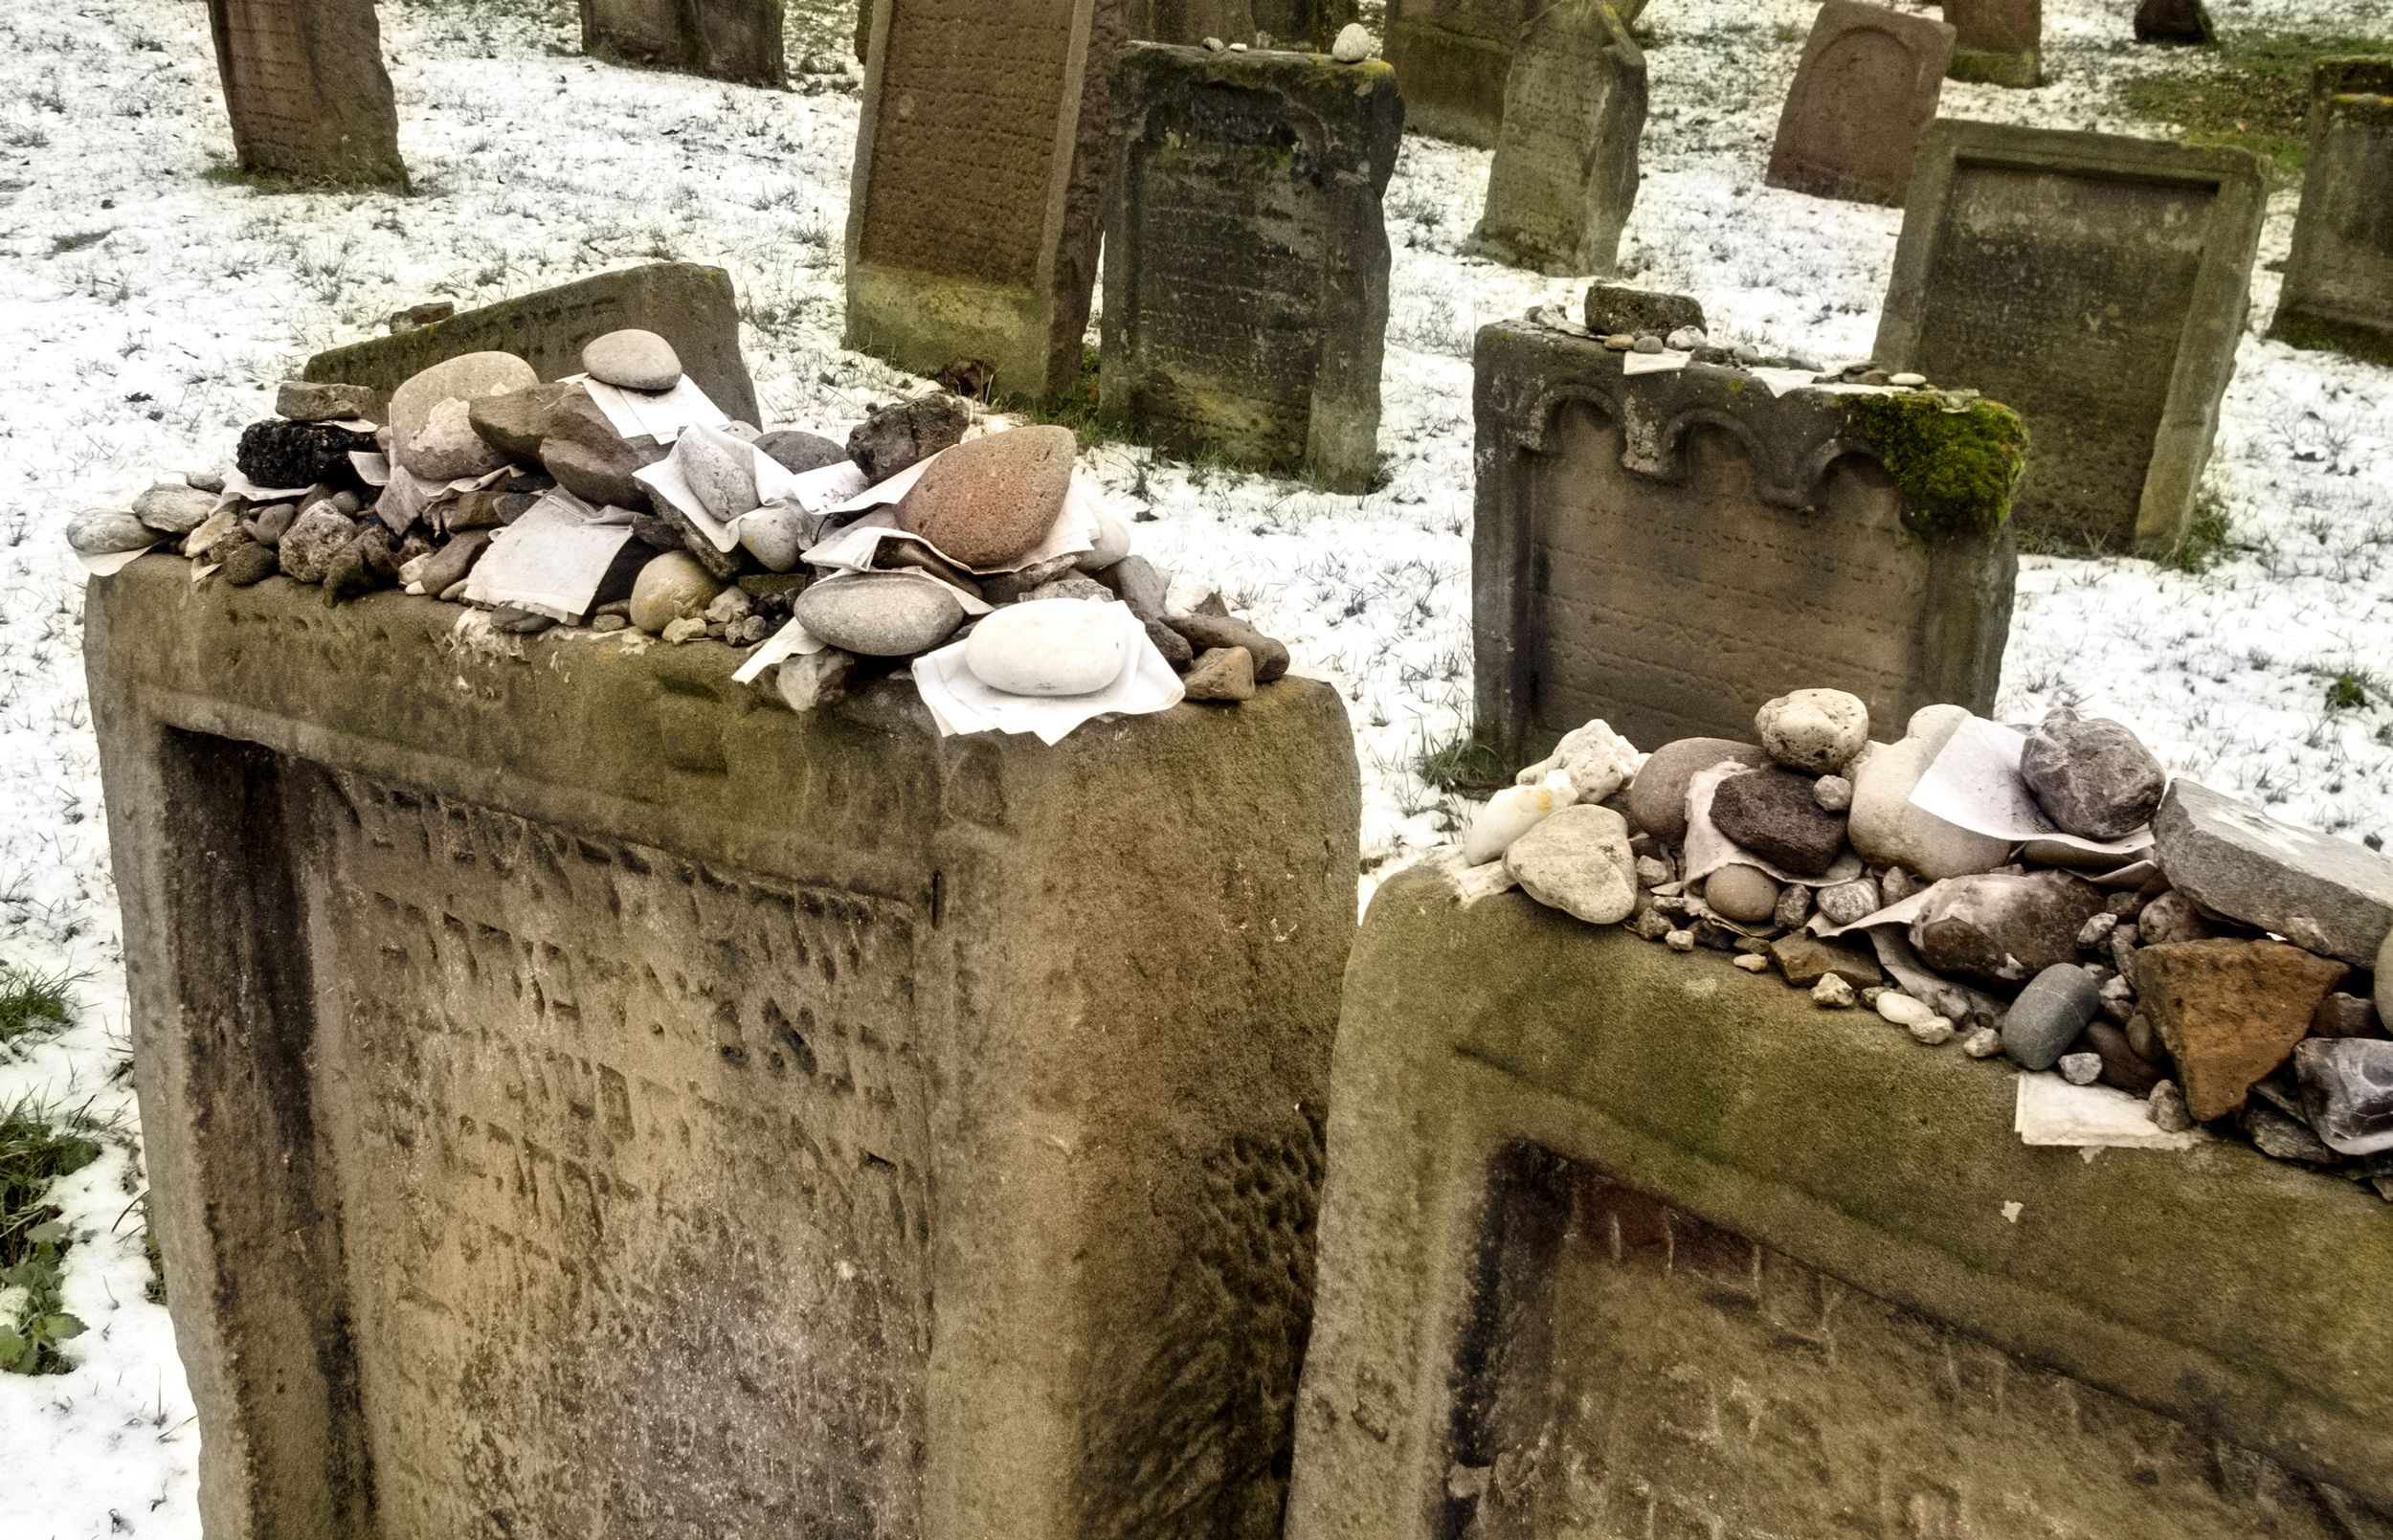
[147, 306]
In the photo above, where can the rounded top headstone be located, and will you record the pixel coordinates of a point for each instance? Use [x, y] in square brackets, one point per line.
[632, 360]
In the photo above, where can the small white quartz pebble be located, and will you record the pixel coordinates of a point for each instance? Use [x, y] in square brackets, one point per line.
[1983, 1043]
[1512, 813]
[1932, 1033]
[2081, 1069]
[1753, 962]
[1353, 45]
[1680, 940]
[1906, 378]
[1832, 992]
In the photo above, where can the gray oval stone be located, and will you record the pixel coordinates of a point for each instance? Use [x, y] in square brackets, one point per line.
[2048, 1015]
[721, 470]
[632, 360]
[2092, 777]
[880, 614]
[106, 531]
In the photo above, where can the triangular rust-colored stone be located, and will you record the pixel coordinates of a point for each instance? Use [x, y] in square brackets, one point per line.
[2231, 1011]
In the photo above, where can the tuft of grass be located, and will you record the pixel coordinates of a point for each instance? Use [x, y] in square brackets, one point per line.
[2251, 91]
[36, 1152]
[34, 1004]
[1463, 765]
[2208, 538]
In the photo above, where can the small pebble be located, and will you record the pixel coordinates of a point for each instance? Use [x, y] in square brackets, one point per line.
[1898, 885]
[1932, 1033]
[1652, 871]
[1215, 45]
[605, 623]
[1686, 339]
[1620, 342]
[1748, 353]
[1906, 378]
[1651, 923]
[2168, 1106]
[1793, 906]
[1833, 993]
[2095, 934]
[1680, 940]
[1753, 962]
[1649, 343]
[690, 628]
[1983, 1043]
[2081, 1069]
[1904, 1011]
[1833, 792]
[1353, 45]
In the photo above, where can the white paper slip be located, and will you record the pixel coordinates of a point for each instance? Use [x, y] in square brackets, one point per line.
[2051, 1111]
[960, 704]
[551, 560]
[238, 485]
[1662, 363]
[792, 641]
[658, 414]
[372, 469]
[1975, 783]
[114, 562]
[1782, 380]
[812, 492]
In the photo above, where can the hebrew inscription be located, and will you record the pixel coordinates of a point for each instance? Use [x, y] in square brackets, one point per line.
[305, 86]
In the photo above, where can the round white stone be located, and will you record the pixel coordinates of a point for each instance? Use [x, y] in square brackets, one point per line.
[632, 360]
[1512, 813]
[1048, 647]
[1353, 45]
[1815, 730]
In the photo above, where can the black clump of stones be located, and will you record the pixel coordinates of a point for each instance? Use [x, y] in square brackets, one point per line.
[278, 453]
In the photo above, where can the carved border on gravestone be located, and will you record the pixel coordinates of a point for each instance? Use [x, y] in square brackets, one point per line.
[690, 306]
[307, 92]
[2212, 1287]
[2214, 322]
[1524, 375]
[1840, 27]
[1605, 191]
[1029, 334]
[1357, 117]
[2344, 194]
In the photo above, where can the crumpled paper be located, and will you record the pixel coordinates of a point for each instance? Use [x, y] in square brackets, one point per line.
[551, 560]
[658, 414]
[814, 492]
[2051, 1111]
[960, 704]
[1974, 784]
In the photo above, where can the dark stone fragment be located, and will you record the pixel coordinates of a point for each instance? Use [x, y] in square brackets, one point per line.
[363, 565]
[1618, 307]
[2185, 22]
[894, 437]
[278, 453]
[2091, 775]
[2122, 1066]
[797, 452]
[1774, 813]
[246, 562]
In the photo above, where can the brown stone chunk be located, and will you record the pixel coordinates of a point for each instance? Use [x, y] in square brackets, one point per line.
[1806, 960]
[1221, 673]
[987, 503]
[1271, 659]
[2229, 1012]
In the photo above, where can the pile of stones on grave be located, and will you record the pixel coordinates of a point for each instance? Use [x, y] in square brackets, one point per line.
[2164, 940]
[1627, 320]
[472, 445]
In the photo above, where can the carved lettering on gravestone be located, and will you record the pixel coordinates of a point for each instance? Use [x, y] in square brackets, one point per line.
[1246, 256]
[1651, 1373]
[568, 1077]
[305, 88]
[980, 184]
[1452, 58]
[1864, 91]
[2096, 284]
[2339, 282]
[1565, 172]
[1998, 41]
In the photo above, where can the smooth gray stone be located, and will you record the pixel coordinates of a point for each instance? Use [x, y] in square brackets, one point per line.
[880, 614]
[2330, 896]
[632, 360]
[2347, 1091]
[2056, 1006]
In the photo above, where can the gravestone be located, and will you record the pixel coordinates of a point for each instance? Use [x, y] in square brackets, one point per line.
[1246, 256]
[980, 184]
[584, 1098]
[2339, 282]
[1618, 1241]
[1864, 91]
[305, 86]
[727, 39]
[2000, 42]
[1192, 21]
[1669, 551]
[2185, 22]
[1452, 58]
[2099, 285]
[1314, 24]
[692, 307]
[1565, 171]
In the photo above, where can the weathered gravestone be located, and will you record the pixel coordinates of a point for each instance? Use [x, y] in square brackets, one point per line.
[973, 222]
[1565, 171]
[2099, 285]
[1314, 24]
[1247, 257]
[727, 40]
[1997, 41]
[2185, 22]
[1192, 21]
[1864, 91]
[1452, 58]
[2338, 283]
[584, 1098]
[305, 86]
[1619, 1243]
[1669, 551]
[692, 307]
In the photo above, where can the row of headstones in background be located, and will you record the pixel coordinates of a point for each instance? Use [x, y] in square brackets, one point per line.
[1998, 42]
[727, 39]
[1663, 550]
[1453, 61]
[1564, 175]
[1290, 23]
[2338, 281]
[305, 90]
[1246, 255]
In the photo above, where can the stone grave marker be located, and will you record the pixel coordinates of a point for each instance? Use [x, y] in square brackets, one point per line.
[1192, 21]
[1618, 1241]
[305, 86]
[1565, 171]
[690, 306]
[1864, 91]
[980, 184]
[2099, 285]
[1246, 256]
[2339, 282]
[2185, 22]
[1997, 41]
[1669, 551]
[727, 39]
[1452, 58]
[586, 1097]
[1314, 24]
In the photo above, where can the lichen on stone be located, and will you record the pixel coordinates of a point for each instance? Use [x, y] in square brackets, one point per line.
[1956, 468]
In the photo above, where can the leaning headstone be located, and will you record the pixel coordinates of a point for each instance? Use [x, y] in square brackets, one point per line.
[599, 1100]
[2339, 282]
[692, 307]
[1618, 1241]
[1864, 91]
[305, 86]
[1565, 171]
[2000, 42]
[2099, 285]
[2185, 22]
[978, 187]
[1668, 550]
[1246, 256]
[727, 39]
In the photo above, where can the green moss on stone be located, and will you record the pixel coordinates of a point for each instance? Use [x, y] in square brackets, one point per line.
[1955, 469]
